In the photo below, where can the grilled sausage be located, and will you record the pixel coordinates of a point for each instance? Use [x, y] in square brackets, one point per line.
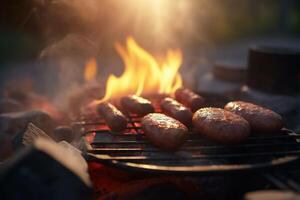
[260, 119]
[163, 131]
[176, 110]
[114, 118]
[137, 105]
[189, 99]
[221, 126]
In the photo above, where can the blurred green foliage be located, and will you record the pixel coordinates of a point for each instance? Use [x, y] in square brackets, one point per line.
[232, 19]
[27, 27]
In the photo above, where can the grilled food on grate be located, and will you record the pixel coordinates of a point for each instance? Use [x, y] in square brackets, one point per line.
[221, 126]
[114, 118]
[163, 131]
[176, 110]
[189, 99]
[137, 105]
[260, 119]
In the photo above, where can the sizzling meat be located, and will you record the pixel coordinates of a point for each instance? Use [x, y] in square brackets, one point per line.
[176, 110]
[137, 105]
[163, 131]
[114, 118]
[189, 99]
[221, 125]
[260, 119]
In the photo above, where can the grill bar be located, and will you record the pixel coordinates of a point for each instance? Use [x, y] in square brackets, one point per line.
[282, 181]
[131, 150]
[220, 156]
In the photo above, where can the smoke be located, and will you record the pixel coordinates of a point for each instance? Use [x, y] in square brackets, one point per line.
[78, 30]
[64, 62]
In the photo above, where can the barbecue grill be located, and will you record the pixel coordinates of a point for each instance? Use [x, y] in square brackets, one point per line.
[131, 151]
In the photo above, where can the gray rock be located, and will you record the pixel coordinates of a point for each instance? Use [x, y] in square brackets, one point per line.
[9, 105]
[16, 122]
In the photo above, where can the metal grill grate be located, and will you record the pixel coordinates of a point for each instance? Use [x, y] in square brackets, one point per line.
[131, 150]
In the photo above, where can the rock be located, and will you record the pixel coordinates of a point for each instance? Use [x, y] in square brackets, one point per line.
[14, 123]
[10, 105]
[63, 133]
[45, 171]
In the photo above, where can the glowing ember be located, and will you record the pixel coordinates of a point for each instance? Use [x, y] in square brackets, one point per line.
[143, 73]
[90, 70]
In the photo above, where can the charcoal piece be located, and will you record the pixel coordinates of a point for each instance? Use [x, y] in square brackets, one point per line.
[33, 174]
[6, 147]
[63, 133]
[10, 105]
[162, 191]
[17, 122]
[272, 195]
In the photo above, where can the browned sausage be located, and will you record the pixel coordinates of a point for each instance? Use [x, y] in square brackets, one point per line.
[220, 125]
[189, 99]
[137, 105]
[114, 118]
[260, 119]
[163, 131]
[176, 110]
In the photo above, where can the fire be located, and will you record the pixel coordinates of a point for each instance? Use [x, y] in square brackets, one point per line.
[90, 70]
[143, 73]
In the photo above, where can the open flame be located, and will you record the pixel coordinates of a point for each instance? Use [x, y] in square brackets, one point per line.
[144, 74]
[90, 70]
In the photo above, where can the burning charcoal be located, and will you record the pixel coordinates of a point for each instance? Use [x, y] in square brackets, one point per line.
[23, 92]
[17, 122]
[45, 171]
[272, 195]
[63, 133]
[161, 191]
[10, 105]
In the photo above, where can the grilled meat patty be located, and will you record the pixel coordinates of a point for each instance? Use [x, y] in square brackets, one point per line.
[221, 126]
[163, 131]
[260, 119]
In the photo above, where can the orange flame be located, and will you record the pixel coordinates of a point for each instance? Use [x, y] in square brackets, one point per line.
[143, 73]
[90, 70]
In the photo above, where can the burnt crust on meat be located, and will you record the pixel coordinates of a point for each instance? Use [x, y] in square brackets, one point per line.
[189, 99]
[113, 117]
[220, 125]
[176, 110]
[163, 131]
[137, 105]
[260, 119]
